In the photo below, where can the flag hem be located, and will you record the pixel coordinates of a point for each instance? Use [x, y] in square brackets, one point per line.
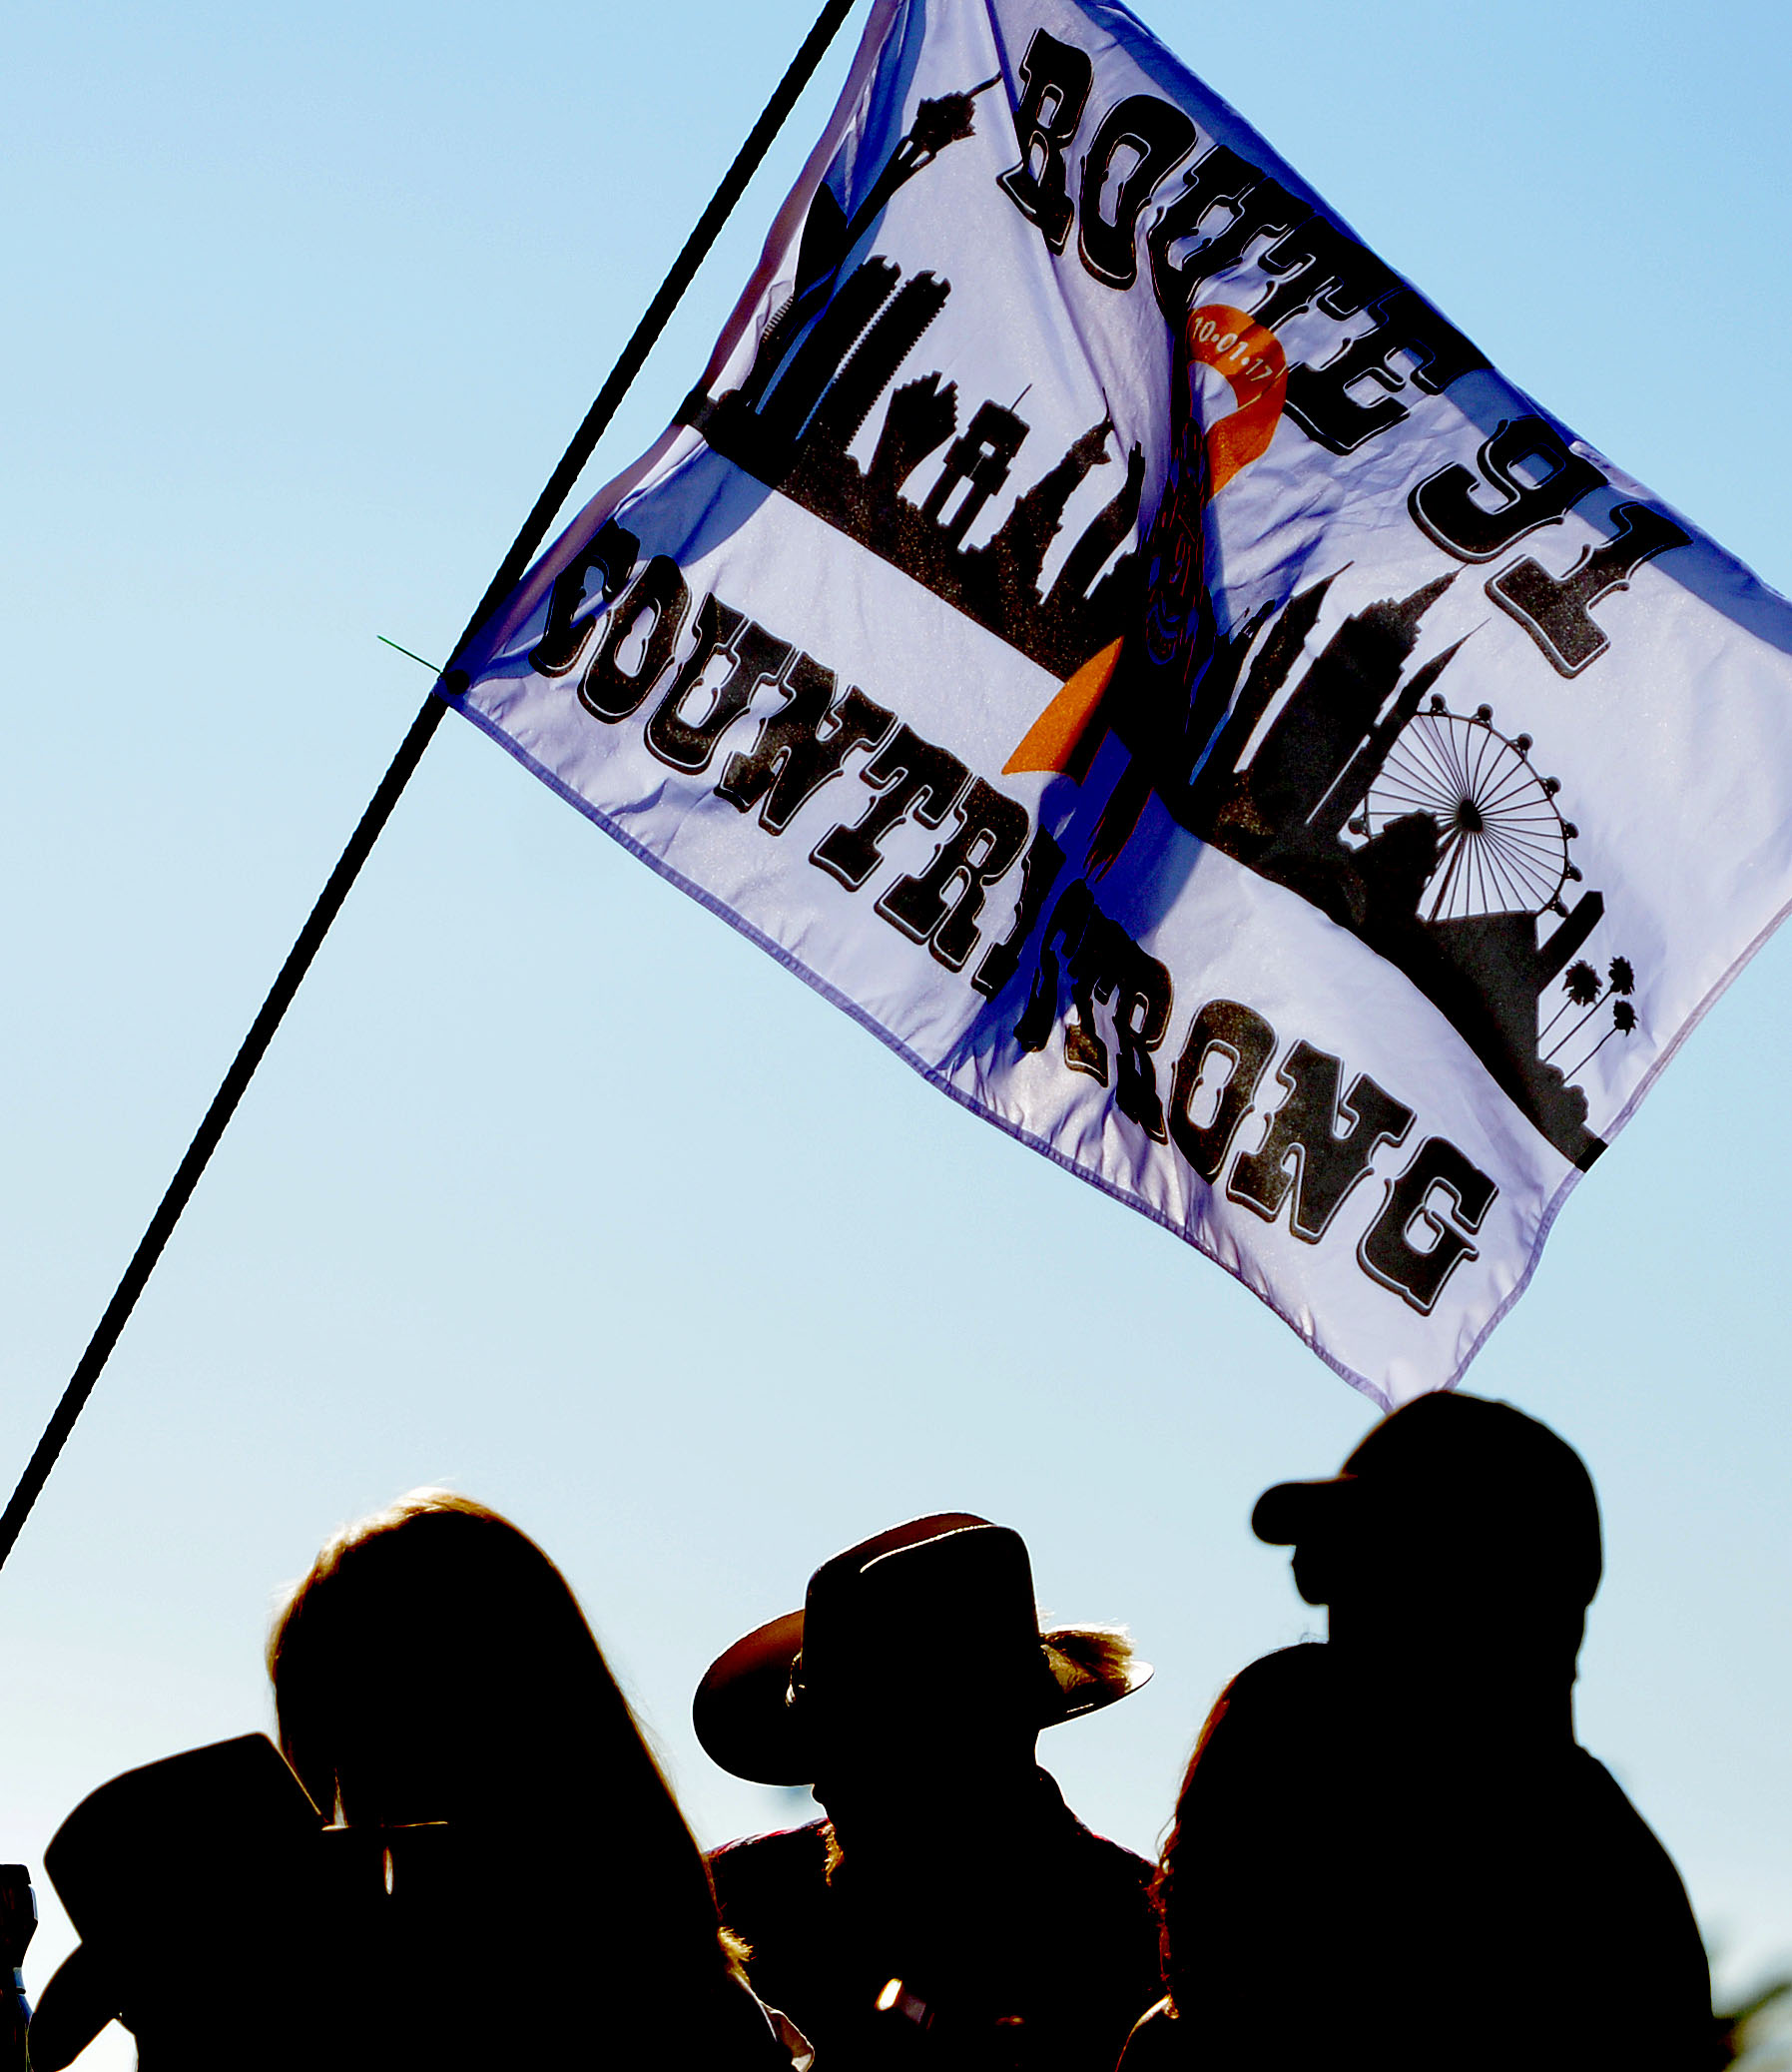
[940, 1079]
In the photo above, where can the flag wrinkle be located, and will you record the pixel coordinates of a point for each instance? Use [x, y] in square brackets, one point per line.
[1100, 626]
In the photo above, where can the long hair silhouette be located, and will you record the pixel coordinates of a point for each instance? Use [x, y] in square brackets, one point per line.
[436, 1666]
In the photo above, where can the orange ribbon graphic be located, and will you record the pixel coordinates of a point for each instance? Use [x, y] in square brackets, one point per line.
[1253, 364]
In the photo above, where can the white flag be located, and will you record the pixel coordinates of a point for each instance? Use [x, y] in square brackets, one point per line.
[1104, 629]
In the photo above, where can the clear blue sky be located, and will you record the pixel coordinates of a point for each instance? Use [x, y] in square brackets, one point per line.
[551, 1185]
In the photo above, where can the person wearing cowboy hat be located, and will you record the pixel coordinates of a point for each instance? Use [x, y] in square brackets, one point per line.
[951, 1909]
[1389, 1847]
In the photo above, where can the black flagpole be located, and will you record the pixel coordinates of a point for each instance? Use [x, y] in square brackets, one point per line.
[410, 751]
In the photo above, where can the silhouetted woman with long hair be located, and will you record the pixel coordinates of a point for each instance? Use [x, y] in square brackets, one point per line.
[435, 1665]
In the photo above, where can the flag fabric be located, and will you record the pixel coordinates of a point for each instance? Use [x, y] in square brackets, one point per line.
[1103, 628]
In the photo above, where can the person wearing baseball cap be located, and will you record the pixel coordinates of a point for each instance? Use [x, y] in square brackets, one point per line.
[1389, 1847]
[949, 1908]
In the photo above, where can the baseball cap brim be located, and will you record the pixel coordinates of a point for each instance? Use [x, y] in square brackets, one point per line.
[1293, 1511]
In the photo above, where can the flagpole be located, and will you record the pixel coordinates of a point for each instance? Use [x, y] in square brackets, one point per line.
[399, 774]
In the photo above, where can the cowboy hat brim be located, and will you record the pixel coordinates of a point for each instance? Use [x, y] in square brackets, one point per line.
[742, 1711]
[746, 1722]
[77, 2002]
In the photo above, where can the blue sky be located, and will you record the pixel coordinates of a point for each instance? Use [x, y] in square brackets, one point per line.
[552, 1186]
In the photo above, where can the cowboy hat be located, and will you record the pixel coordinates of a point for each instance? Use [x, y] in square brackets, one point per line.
[218, 1843]
[764, 1707]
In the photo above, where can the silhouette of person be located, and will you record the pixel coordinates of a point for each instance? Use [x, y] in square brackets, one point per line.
[199, 1887]
[1389, 1847]
[951, 1909]
[435, 1665]
[18, 1923]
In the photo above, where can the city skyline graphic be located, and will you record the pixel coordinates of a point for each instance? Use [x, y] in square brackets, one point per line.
[1427, 833]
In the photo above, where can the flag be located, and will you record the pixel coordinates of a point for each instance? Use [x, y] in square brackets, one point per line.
[1107, 631]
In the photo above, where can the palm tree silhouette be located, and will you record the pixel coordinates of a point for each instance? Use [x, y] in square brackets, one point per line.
[1580, 983]
[1621, 978]
[1623, 1020]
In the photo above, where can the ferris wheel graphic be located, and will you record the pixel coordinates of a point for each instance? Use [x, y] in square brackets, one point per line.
[1504, 845]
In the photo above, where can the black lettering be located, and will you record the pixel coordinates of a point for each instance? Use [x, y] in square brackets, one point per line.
[939, 905]
[612, 554]
[1090, 964]
[1444, 508]
[1260, 208]
[1108, 964]
[914, 781]
[1303, 1153]
[1444, 1197]
[1039, 869]
[1069, 918]
[1317, 266]
[1556, 611]
[1104, 964]
[608, 690]
[753, 657]
[801, 745]
[1057, 77]
[1158, 135]
[1325, 401]
[1239, 1040]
